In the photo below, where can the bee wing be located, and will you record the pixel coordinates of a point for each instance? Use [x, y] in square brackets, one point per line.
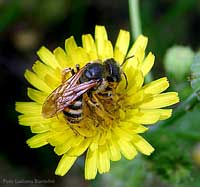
[52, 105]
[65, 94]
[56, 102]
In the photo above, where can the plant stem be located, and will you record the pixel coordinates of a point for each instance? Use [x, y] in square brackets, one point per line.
[135, 18]
[136, 29]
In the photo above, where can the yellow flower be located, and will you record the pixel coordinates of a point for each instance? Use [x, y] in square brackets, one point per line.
[102, 136]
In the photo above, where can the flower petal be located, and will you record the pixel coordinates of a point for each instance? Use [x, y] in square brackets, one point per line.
[163, 113]
[122, 134]
[28, 107]
[104, 46]
[139, 129]
[29, 120]
[37, 82]
[121, 46]
[143, 117]
[91, 164]
[161, 100]
[142, 145]
[139, 45]
[37, 96]
[40, 128]
[103, 161]
[77, 54]
[63, 59]
[65, 146]
[32, 113]
[58, 138]
[80, 57]
[135, 98]
[70, 45]
[65, 164]
[127, 149]
[100, 34]
[147, 64]
[135, 81]
[89, 46]
[48, 58]
[80, 148]
[39, 140]
[132, 127]
[84, 131]
[156, 87]
[115, 154]
[108, 53]
[43, 70]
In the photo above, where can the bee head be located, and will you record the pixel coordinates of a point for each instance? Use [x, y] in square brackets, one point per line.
[113, 70]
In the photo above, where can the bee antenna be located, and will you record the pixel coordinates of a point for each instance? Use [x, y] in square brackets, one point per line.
[123, 72]
[126, 60]
[125, 79]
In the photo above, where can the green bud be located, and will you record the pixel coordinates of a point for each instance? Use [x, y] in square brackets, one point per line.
[177, 62]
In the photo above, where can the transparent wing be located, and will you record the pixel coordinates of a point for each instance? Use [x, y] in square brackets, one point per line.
[65, 94]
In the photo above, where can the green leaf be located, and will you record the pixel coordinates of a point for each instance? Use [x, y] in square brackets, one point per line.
[195, 72]
[195, 75]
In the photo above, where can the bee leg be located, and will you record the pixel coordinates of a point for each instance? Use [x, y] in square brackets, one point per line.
[74, 130]
[92, 103]
[69, 70]
[100, 110]
[65, 72]
[77, 67]
[92, 100]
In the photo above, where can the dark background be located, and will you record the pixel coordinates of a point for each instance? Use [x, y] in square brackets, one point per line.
[27, 25]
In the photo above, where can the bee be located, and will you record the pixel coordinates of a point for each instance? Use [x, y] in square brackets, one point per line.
[95, 78]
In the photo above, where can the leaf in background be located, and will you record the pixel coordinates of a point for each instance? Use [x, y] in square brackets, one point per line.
[195, 72]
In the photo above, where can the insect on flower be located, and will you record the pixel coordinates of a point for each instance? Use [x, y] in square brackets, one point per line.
[86, 87]
[99, 108]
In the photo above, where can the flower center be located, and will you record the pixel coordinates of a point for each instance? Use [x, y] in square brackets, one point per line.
[99, 117]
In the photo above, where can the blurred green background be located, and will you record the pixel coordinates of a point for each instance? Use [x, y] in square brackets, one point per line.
[26, 25]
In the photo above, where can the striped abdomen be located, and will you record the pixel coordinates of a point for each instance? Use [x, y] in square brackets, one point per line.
[74, 112]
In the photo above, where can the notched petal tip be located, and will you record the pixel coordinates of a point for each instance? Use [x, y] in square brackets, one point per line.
[100, 33]
[142, 145]
[38, 140]
[148, 63]
[48, 57]
[70, 44]
[65, 164]
[121, 46]
[138, 47]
